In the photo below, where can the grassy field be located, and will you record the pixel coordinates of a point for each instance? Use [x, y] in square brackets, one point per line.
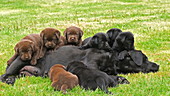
[148, 20]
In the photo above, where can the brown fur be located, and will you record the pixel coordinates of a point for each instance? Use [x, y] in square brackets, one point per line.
[61, 79]
[29, 48]
[73, 36]
[52, 39]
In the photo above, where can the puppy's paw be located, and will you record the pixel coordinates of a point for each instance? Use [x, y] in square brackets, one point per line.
[33, 62]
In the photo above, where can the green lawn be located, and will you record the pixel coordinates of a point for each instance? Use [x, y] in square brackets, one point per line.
[148, 20]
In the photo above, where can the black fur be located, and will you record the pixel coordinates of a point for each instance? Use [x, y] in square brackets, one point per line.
[91, 78]
[112, 34]
[98, 41]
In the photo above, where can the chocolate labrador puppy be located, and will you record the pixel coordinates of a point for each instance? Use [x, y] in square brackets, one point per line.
[61, 79]
[29, 48]
[52, 39]
[73, 36]
[98, 41]
[112, 34]
[91, 78]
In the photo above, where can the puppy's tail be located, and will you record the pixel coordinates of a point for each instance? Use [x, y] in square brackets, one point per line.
[64, 87]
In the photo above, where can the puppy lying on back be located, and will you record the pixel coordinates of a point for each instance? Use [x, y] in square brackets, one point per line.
[73, 36]
[29, 48]
[91, 78]
[112, 34]
[98, 41]
[61, 79]
[51, 38]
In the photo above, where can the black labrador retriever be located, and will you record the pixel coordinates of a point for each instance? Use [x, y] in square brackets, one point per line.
[98, 41]
[96, 59]
[91, 78]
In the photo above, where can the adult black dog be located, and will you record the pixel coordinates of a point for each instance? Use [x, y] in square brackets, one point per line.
[91, 78]
[93, 58]
[98, 41]
[96, 59]
[134, 62]
[112, 34]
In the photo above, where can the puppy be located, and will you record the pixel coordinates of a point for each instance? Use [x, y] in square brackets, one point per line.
[124, 41]
[134, 62]
[91, 78]
[30, 71]
[98, 41]
[29, 48]
[112, 34]
[61, 79]
[52, 39]
[73, 36]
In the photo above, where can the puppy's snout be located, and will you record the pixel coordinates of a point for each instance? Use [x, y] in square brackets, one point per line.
[72, 38]
[49, 45]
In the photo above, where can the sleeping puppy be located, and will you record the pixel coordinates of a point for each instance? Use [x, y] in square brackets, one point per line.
[91, 78]
[98, 41]
[61, 79]
[29, 48]
[112, 34]
[134, 62]
[124, 42]
[30, 71]
[73, 36]
[51, 38]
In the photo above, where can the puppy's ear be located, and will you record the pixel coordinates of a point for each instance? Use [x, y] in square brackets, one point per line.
[65, 34]
[16, 48]
[95, 40]
[137, 57]
[57, 33]
[80, 34]
[122, 39]
[33, 46]
[42, 34]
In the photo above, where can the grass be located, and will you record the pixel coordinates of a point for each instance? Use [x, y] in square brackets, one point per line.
[148, 20]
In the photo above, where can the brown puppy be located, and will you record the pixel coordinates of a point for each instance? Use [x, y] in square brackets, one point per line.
[51, 38]
[73, 36]
[61, 79]
[29, 48]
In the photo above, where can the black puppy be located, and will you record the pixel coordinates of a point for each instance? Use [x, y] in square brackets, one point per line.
[124, 42]
[98, 41]
[135, 61]
[112, 34]
[91, 78]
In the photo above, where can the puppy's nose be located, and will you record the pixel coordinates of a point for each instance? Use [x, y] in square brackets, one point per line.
[26, 57]
[72, 38]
